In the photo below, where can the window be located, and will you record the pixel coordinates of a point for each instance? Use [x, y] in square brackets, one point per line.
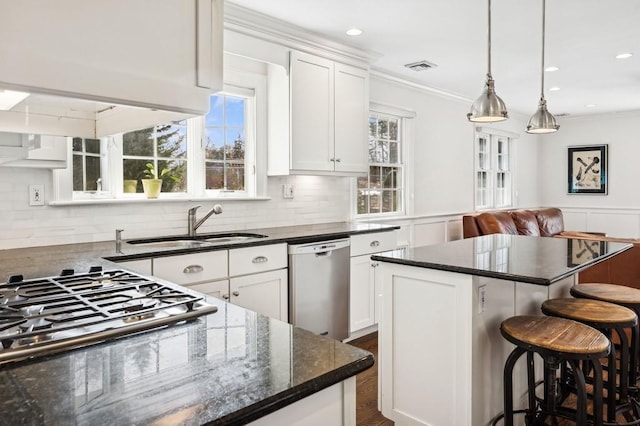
[164, 149]
[197, 157]
[382, 192]
[224, 129]
[86, 164]
[493, 170]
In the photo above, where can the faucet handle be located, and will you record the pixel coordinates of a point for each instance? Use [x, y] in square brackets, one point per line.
[193, 209]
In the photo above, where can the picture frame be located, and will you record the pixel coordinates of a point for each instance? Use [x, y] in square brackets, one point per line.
[587, 169]
[582, 251]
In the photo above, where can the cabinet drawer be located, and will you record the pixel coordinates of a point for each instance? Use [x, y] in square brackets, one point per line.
[250, 260]
[373, 243]
[191, 268]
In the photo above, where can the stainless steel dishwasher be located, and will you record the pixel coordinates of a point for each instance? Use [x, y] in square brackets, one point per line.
[319, 287]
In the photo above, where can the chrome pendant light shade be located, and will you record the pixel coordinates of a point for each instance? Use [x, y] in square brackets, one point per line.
[488, 107]
[542, 121]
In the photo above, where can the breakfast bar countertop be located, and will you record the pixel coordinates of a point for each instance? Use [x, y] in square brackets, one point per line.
[534, 260]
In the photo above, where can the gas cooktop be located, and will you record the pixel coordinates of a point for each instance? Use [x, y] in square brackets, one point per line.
[47, 315]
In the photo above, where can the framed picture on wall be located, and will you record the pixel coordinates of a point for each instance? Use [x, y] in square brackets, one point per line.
[587, 169]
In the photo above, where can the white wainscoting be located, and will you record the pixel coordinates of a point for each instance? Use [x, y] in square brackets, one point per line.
[615, 222]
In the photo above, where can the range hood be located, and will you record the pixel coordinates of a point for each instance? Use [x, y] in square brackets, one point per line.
[60, 116]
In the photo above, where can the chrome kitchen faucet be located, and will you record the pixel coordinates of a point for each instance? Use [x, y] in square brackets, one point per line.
[191, 219]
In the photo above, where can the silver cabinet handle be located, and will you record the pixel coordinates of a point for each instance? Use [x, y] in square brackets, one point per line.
[193, 269]
[260, 259]
[337, 160]
[374, 243]
[374, 264]
[225, 296]
[236, 293]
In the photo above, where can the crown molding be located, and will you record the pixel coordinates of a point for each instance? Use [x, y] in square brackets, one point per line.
[257, 25]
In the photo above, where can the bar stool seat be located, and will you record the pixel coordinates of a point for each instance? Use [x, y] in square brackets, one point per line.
[613, 293]
[609, 319]
[557, 341]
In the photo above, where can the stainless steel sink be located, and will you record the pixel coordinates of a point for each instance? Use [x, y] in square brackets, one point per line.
[202, 240]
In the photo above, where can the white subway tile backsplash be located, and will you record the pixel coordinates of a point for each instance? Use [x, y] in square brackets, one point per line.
[317, 199]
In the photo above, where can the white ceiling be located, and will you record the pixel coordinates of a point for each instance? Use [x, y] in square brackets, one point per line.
[583, 38]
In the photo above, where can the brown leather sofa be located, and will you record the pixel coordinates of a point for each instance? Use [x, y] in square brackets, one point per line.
[622, 269]
[547, 222]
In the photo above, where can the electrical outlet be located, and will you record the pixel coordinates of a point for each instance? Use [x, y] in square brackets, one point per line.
[36, 195]
[482, 299]
[287, 190]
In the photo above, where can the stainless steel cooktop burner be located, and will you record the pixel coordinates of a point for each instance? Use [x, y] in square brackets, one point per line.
[47, 315]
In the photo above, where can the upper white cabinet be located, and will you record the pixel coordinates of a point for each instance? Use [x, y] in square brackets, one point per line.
[156, 54]
[39, 151]
[329, 104]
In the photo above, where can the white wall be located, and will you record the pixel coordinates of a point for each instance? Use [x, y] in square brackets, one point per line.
[316, 200]
[618, 213]
[443, 157]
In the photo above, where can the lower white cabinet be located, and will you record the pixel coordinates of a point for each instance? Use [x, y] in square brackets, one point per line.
[142, 266]
[255, 278]
[265, 293]
[362, 309]
[364, 294]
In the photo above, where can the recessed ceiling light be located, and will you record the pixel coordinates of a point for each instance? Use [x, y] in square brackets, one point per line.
[354, 31]
[551, 69]
[590, 105]
[625, 55]
[10, 98]
[554, 89]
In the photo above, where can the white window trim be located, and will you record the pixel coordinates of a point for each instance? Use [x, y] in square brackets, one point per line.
[511, 136]
[407, 137]
[236, 82]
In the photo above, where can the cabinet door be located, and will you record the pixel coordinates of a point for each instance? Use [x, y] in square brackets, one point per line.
[362, 294]
[265, 293]
[217, 289]
[312, 100]
[351, 118]
[142, 266]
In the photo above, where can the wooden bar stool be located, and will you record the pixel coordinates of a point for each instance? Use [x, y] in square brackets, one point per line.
[557, 341]
[620, 295]
[608, 318]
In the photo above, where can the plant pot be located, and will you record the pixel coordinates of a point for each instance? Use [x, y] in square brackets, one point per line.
[152, 187]
[130, 185]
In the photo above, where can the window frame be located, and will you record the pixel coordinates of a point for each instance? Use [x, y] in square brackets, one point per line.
[493, 159]
[237, 84]
[405, 139]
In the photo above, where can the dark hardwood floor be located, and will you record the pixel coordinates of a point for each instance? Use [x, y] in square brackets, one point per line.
[367, 413]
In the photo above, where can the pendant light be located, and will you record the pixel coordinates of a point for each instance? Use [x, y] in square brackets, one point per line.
[542, 121]
[488, 107]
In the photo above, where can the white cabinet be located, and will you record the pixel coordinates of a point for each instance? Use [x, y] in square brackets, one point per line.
[163, 55]
[142, 266]
[252, 277]
[40, 151]
[259, 279]
[329, 110]
[364, 295]
[266, 293]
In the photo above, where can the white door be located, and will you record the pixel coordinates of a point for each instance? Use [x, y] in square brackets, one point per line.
[265, 293]
[361, 294]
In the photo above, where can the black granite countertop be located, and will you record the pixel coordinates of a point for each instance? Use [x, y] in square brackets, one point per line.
[35, 262]
[230, 367]
[535, 260]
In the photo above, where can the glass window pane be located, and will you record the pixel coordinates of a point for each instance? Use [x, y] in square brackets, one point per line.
[133, 169]
[374, 176]
[172, 141]
[214, 175]
[363, 202]
[214, 146]
[139, 142]
[93, 172]
[373, 127]
[235, 176]
[77, 145]
[235, 144]
[388, 177]
[393, 130]
[389, 202]
[383, 129]
[375, 201]
[215, 116]
[173, 175]
[234, 111]
[78, 172]
[394, 153]
[92, 146]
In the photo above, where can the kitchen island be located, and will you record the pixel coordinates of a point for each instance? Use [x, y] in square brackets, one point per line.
[441, 355]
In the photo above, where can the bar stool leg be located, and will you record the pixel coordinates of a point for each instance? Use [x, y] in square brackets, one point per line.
[508, 385]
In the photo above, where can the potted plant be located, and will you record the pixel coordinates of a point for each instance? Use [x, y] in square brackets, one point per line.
[152, 182]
